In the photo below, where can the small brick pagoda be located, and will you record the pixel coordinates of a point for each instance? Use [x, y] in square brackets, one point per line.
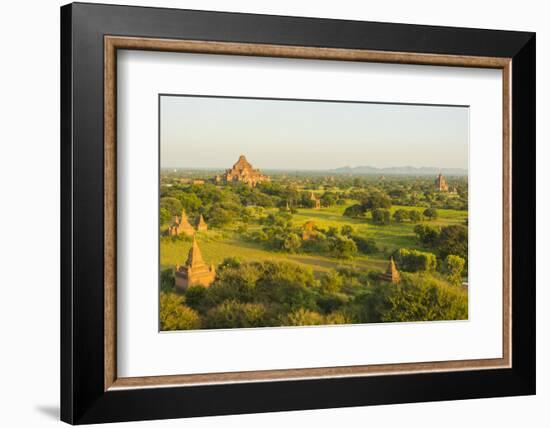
[195, 271]
[201, 225]
[391, 274]
[181, 225]
[316, 201]
[308, 230]
[242, 172]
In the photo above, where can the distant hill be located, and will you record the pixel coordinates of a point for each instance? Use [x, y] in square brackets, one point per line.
[399, 170]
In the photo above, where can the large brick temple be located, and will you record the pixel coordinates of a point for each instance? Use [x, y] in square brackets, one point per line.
[242, 172]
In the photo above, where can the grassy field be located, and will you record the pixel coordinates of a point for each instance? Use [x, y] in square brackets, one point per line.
[217, 245]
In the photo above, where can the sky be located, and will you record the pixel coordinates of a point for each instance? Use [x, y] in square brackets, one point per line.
[211, 132]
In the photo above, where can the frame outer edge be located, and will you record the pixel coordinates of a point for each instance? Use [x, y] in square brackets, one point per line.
[66, 181]
[81, 382]
[524, 217]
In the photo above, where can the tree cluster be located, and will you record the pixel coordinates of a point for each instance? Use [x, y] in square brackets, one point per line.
[268, 294]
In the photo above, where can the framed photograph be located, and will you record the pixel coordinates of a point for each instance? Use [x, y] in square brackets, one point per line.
[266, 213]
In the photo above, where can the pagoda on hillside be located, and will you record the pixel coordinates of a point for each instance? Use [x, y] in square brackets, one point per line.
[391, 274]
[195, 271]
[441, 184]
[181, 225]
[242, 172]
[201, 225]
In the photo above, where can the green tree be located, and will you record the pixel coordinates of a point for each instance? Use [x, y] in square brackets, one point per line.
[381, 216]
[419, 298]
[401, 215]
[292, 243]
[174, 315]
[190, 202]
[346, 230]
[286, 284]
[222, 215]
[331, 282]
[172, 205]
[376, 200]
[353, 211]
[414, 216]
[427, 235]
[453, 239]
[365, 245]
[328, 199]
[234, 314]
[414, 260]
[343, 247]
[431, 213]
[454, 266]
[198, 298]
[167, 281]
[165, 216]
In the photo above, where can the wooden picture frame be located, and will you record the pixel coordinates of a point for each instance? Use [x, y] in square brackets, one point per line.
[91, 390]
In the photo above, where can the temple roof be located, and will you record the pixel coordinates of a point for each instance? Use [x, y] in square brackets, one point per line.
[242, 164]
[194, 258]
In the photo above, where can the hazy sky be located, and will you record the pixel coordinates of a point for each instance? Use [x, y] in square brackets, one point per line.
[202, 132]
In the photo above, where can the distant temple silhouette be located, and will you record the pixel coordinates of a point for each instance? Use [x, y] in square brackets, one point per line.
[441, 184]
[316, 201]
[242, 172]
[195, 271]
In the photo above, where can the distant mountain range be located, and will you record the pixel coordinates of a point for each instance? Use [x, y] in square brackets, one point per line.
[398, 170]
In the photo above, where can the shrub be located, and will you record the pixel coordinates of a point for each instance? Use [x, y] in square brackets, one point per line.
[427, 235]
[381, 216]
[420, 298]
[233, 314]
[356, 210]
[453, 240]
[376, 200]
[343, 247]
[401, 215]
[172, 205]
[198, 298]
[317, 243]
[414, 216]
[365, 245]
[174, 315]
[167, 281]
[287, 284]
[164, 216]
[414, 260]
[338, 318]
[302, 317]
[454, 266]
[431, 213]
[292, 243]
[331, 282]
[346, 230]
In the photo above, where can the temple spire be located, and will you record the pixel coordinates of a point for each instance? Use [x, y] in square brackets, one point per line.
[195, 257]
[391, 274]
[201, 225]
